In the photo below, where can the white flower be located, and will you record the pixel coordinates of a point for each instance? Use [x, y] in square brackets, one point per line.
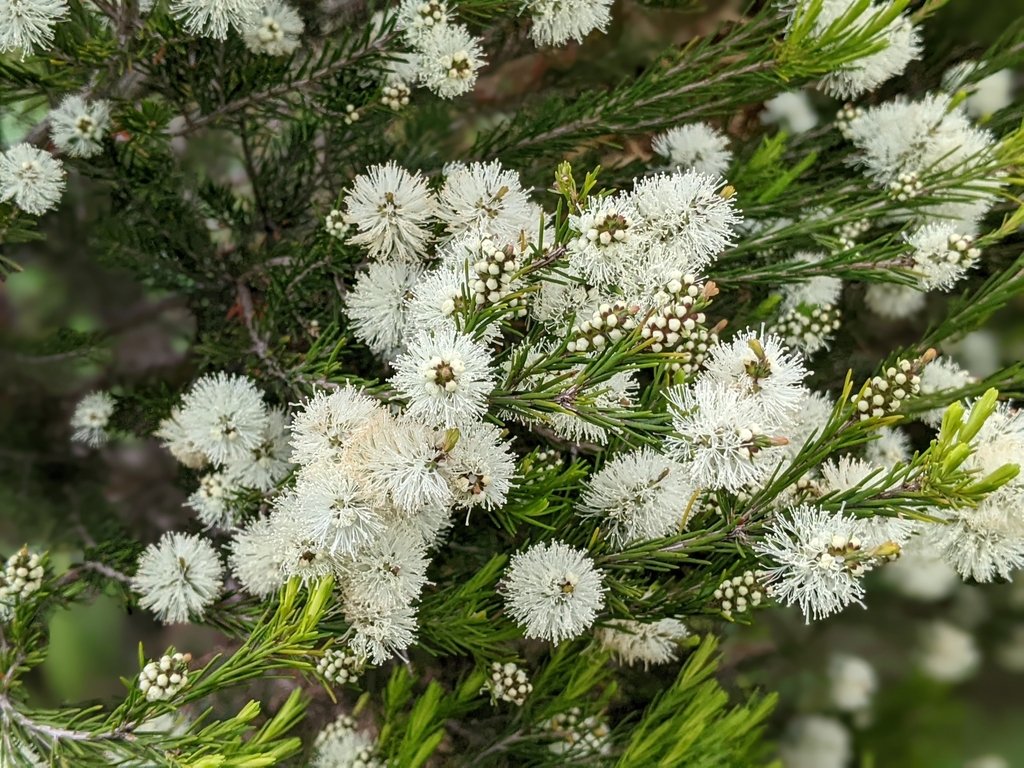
[986, 96]
[91, 417]
[606, 226]
[441, 299]
[481, 467]
[853, 682]
[419, 18]
[211, 18]
[376, 305]
[557, 21]
[484, 197]
[849, 474]
[450, 58]
[698, 146]
[792, 109]
[942, 255]
[920, 573]
[999, 442]
[336, 509]
[224, 416]
[818, 290]
[255, 558]
[941, 375]
[378, 636]
[687, 220]
[273, 29]
[813, 741]
[894, 301]
[948, 653]
[302, 551]
[177, 440]
[508, 682]
[340, 745]
[891, 448]
[392, 210]
[387, 573]
[161, 680]
[553, 591]
[817, 558]
[654, 642]
[266, 464]
[638, 495]
[22, 576]
[719, 438]
[32, 177]
[759, 366]
[446, 376]
[178, 578]
[980, 543]
[28, 24]
[323, 425]
[813, 414]
[77, 127]
[212, 500]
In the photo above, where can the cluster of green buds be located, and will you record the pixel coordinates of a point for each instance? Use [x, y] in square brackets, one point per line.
[885, 394]
[678, 325]
[340, 665]
[846, 115]
[740, 593]
[22, 577]
[905, 186]
[492, 274]
[161, 680]
[608, 324]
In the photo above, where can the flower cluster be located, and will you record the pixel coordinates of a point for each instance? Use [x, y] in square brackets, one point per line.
[340, 745]
[508, 682]
[162, 680]
[22, 577]
[340, 665]
[91, 418]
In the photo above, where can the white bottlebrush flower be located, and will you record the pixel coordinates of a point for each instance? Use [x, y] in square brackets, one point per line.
[376, 305]
[760, 367]
[948, 654]
[27, 25]
[792, 110]
[224, 416]
[449, 59]
[34, 179]
[392, 211]
[481, 467]
[273, 29]
[336, 509]
[941, 255]
[920, 573]
[813, 414]
[256, 558]
[211, 18]
[177, 440]
[340, 745]
[941, 375]
[178, 578]
[212, 500]
[817, 291]
[607, 226]
[77, 127]
[816, 558]
[638, 495]
[852, 683]
[323, 425]
[386, 573]
[893, 301]
[698, 146]
[419, 18]
[441, 298]
[999, 442]
[267, 464]
[484, 197]
[688, 220]
[378, 636]
[91, 417]
[813, 741]
[902, 46]
[848, 474]
[891, 448]
[301, 550]
[555, 21]
[553, 591]
[980, 543]
[446, 376]
[654, 642]
[719, 437]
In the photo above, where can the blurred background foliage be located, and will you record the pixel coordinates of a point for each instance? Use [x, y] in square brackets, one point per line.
[54, 494]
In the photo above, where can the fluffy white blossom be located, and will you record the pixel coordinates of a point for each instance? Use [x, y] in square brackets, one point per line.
[813, 414]
[256, 560]
[340, 745]
[273, 29]
[392, 211]
[418, 19]
[719, 437]
[848, 474]
[377, 635]
[34, 179]
[91, 417]
[302, 551]
[386, 573]
[324, 423]
[852, 682]
[553, 591]
[816, 558]
[941, 375]
[446, 376]
[818, 290]
[211, 18]
[792, 109]
[894, 301]
[27, 25]
[212, 500]
[638, 495]
[481, 467]
[484, 197]
[891, 448]
[179, 577]
[948, 654]
[336, 509]
[920, 573]
[942, 255]
[980, 543]
[698, 146]
[224, 416]
[376, 305]
[178, 441]
[267, 464]
[556, 21]
[655, 642]
[449, 59]
[77, 127]
[813, 741]
[607, 227]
